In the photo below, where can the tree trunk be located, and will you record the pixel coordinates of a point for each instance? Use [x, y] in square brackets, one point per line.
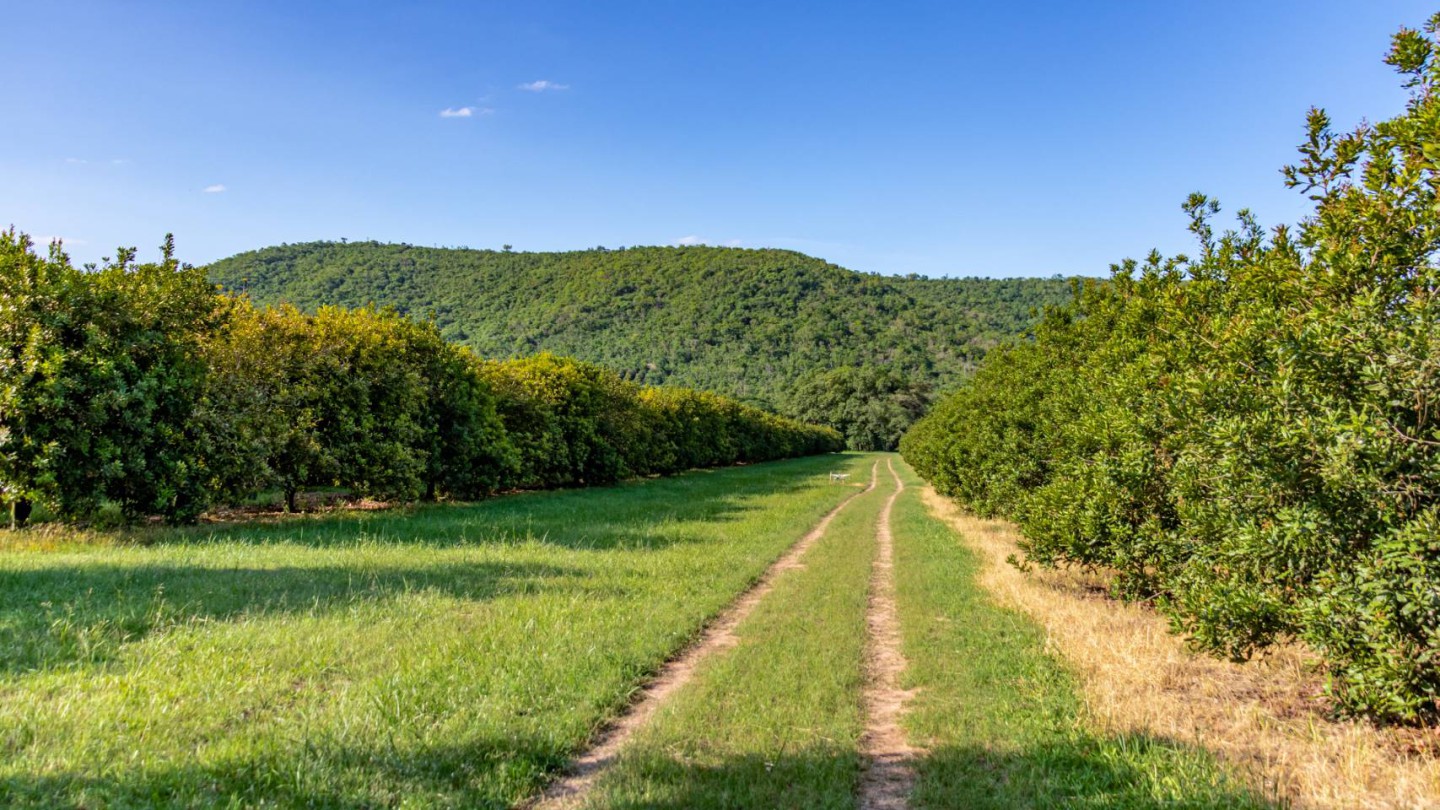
[20, 511]
[290, 498]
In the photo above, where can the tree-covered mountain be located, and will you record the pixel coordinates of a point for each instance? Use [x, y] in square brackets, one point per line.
[748, 323]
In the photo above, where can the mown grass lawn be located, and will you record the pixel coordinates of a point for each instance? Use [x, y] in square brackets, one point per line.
[449, 656]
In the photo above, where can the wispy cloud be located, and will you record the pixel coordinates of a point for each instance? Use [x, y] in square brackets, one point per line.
[542, 85]
[464, 112]
[215, 189]
[75, 161]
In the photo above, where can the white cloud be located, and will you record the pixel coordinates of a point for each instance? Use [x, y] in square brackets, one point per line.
[734, 243]
[460, 112]
[542, 85]
[76, 161]
[215, 189]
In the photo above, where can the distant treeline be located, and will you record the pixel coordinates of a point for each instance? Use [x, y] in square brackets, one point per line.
[1251, 438]
[138, 385]
[768, 327]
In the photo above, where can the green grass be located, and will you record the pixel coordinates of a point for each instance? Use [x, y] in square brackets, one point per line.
[776, 720]
[448, 656]
[1002, 719]
[458, 656]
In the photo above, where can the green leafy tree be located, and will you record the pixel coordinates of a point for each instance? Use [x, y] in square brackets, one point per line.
[262, 407]
[871, 407]
[467, 452]
[371, 415]
[99, 375]
[39, 337]
[574, 422]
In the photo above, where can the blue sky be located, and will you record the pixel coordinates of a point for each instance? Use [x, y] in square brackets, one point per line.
[944, 138]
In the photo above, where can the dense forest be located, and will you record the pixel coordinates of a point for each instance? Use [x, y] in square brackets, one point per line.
[1248, 437]
[136, 386]
[753, 324]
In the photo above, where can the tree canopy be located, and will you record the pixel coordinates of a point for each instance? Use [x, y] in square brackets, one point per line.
[751, 324]
[871, 407]
[100, 375]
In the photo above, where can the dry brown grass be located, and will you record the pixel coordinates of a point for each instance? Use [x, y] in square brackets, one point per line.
[1264, 716]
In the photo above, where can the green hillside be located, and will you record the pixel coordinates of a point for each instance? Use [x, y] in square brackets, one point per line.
[749, 323]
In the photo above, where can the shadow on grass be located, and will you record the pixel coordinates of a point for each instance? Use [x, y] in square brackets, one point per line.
[647, 513]
[60, 614]
[85, 610]
[1135, 772]
[500, 772]
[490, 773]
[822, 778]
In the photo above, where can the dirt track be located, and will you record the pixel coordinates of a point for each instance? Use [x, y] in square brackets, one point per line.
[570, 790]
[889, 771]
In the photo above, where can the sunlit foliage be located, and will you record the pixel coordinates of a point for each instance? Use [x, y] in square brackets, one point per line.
[1249, 437]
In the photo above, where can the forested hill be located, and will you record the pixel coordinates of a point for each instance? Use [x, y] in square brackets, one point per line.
[750, 323]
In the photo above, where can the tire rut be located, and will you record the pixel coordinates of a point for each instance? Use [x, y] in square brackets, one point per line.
[889, 774]
[571, 790]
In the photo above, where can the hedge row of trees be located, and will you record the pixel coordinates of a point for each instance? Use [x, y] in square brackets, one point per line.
[1249, 437]
[138, 385]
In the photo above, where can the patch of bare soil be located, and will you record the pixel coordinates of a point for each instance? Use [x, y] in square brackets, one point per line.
[1264, 716]
[570, 790]
[889, 759]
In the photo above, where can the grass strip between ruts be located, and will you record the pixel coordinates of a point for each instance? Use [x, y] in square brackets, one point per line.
[775, 721]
